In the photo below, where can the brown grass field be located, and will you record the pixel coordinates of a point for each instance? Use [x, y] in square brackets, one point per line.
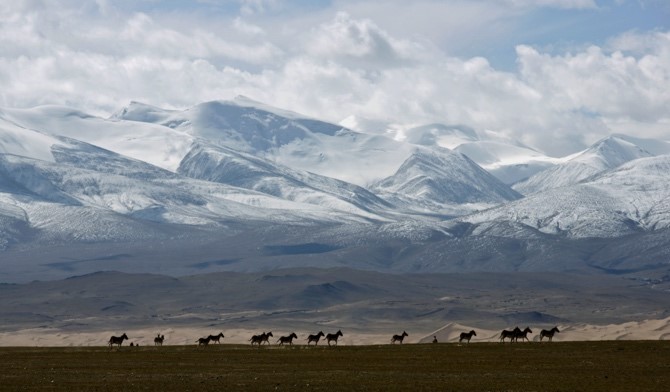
[557, 366]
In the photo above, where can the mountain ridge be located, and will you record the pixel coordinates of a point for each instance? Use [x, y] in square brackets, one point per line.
[238, 186]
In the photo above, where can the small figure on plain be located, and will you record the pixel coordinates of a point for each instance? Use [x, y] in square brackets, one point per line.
[399, 338]
[315, 338]
[434, 339]
[158, 340]
[549, 334]
[216, 338]
[333, 336]
[117, 340]
[132, 344]
[203, 341]
[467, 336]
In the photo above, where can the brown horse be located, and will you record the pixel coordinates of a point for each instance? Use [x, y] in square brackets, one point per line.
[117, 340]
[260, 339]
[216, 338]
[549, 334]
[287, 339]
[509, 334]
[467, 336]
[158, 340]
[522, 334]
[315, 338]
[399, 338]
[333, 336]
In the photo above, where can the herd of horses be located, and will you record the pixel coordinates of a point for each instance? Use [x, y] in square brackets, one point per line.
[264, 338]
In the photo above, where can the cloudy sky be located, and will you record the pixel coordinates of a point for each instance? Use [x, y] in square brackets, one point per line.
[556, 74]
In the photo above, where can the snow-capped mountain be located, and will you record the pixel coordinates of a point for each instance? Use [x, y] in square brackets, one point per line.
[632, 198]
[427, 180]
[283, 137]
[223, 165]
[605, 154]
[507, 159]
[238, 185]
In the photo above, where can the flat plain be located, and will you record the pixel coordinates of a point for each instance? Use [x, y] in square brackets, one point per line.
[529, 366]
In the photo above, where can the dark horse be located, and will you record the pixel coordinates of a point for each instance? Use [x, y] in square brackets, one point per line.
[216, 338]
[333, 336]
[509, 334]
[287, 339]
[522, 334]
[117, 340]
[467, 336]
[399, 338]
[158, 340]
[315, 338]
[549, 334]
[203, 341]
[260, 339]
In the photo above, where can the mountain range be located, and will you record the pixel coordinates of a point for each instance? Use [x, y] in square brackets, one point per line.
[241, 186]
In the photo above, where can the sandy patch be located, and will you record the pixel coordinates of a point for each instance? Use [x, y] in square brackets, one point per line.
[40, 337]
[642, 330]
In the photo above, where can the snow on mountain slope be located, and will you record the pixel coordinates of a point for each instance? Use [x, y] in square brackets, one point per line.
[167, 199]
[427, 180]
[223, 165]
[282, 145]
[86, 193]
[605, 154]
[154, 144]
[507, 162]
[647, 186]
[290, 139]
[507, 159]
[653, 146]
[17, 140]
[633, 198]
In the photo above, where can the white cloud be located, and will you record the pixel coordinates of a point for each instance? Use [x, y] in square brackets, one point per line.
[97, 58]
[616, 86]
[567, 4]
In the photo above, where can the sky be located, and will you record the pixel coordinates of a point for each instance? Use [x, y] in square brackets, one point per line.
[556, 75]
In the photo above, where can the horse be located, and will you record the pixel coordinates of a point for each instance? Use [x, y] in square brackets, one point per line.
[315, 338]
[399, 338]
[216, 338]
[287, 339]
[333, 336]
[158, 340]
[522, 334]
[549, 334]
[467, 336]
[117, 340]
[203, 341]
[434, 339]
[509, 334]
[264, 337]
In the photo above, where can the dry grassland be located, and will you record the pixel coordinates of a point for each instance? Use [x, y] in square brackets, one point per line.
[564, 366]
